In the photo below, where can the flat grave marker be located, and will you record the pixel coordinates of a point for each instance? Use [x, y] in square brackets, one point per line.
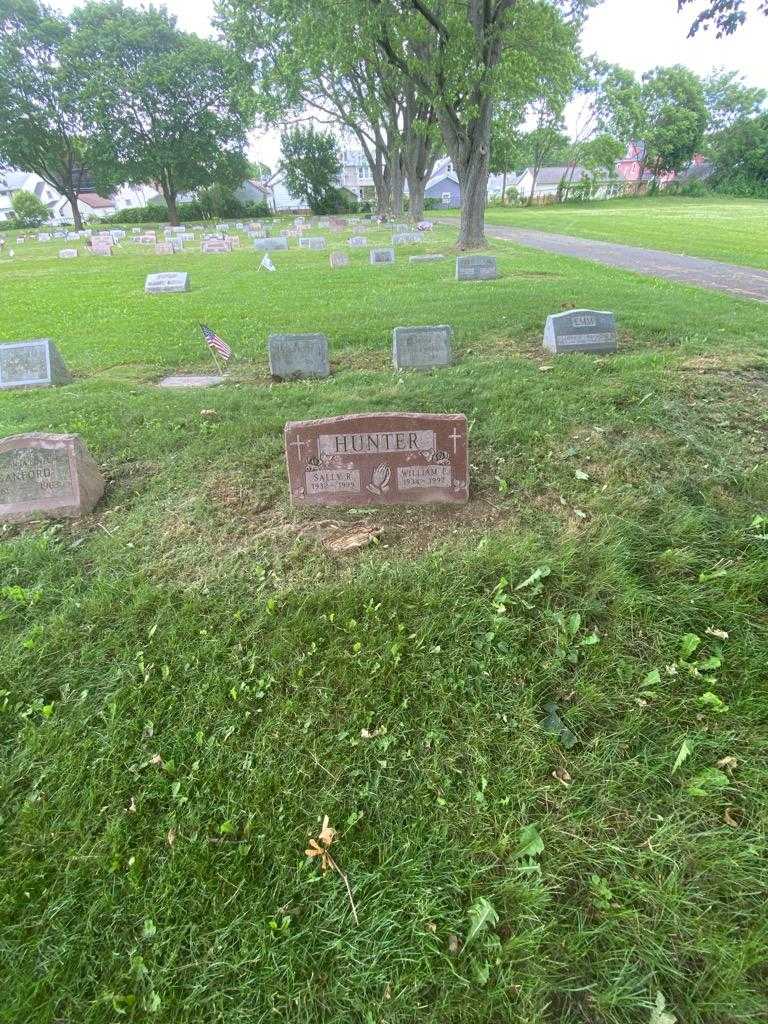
[46, 475]
[164, 249]
[581, 330]
[67, 254]
[339, 259]
[298, 356]
[189, 380]
[378, 459]
[430, 257]
[31, 364]
[476, 268]
[167, 283]
[358, 241]
[406, 238]
[380, 256]
[422, 348]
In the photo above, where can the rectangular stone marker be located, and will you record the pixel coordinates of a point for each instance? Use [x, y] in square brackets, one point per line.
[378, 459]
[215, 245]
[476, 268]
[44, 237]
[422, 348]
[49, 475]
[382, 255]
[187, 236]
[312, 243]
[164, 249]
[173, 281]
[298, 356]
[270, 244]
[67, 254]
[406, 238]
[430, 257]
[339, 259]
[358, 242]
[581, 330]
[31, 364]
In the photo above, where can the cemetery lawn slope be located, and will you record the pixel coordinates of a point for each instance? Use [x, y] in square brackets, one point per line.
[718, 228]
[536, 722]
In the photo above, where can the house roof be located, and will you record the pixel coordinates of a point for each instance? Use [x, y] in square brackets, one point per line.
[697, 171]
[554, 175]
[94, 201]
[12, 181]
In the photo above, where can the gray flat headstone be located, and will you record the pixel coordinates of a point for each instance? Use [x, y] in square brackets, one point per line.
[30, 364]
[164, 249]
[50, 475]
[476, 268]
[339, 259]
[298, 356]
[270, 244]
[382, 255]
[406, 238]
[422, 348]
[312, 243]
[170, 282]
[358, 242]
[67, 254]
[581, 330]
[191, 381]
[431, 257]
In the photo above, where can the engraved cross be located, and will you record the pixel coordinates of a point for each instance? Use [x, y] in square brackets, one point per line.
[455, 437]
[298, 444]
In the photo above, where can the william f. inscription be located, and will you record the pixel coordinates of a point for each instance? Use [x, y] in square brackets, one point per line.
[378, 459]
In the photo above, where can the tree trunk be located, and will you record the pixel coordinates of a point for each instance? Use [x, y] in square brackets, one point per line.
[504, 189]
[473, 181]
[470, 150]
[383, 192]
[416, 188]
[169, 195]
[397, 188]
[77, 220]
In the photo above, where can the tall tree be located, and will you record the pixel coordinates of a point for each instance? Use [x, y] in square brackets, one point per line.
[311, 164]
[42, 128]
[728, 99]
[674, 118]
[726, 15]
[309, 61]
[463, 55]
[169, 107]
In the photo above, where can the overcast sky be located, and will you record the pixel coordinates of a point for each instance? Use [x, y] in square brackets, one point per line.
[638, 34]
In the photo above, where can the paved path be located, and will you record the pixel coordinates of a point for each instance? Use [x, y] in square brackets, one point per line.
[744, 282]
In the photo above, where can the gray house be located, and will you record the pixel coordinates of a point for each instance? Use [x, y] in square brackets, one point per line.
[444, 185]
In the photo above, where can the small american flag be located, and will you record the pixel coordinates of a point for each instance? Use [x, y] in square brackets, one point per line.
[214, 342]
[267, 264]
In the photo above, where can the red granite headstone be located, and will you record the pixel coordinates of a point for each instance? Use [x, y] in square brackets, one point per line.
[46, 476]
[382, 458]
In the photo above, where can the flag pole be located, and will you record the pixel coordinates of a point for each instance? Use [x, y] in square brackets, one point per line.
[210, 348]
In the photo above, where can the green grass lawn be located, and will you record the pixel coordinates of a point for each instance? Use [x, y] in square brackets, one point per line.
[190, 682]
[732, 230]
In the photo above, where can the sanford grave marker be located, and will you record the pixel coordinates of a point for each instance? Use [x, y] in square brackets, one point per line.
[167, 283]
[378, 459]
[48, 475]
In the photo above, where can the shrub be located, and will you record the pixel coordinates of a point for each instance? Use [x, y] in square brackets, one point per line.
[29, 211]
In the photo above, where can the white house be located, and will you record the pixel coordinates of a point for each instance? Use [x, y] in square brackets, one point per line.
[12, 182]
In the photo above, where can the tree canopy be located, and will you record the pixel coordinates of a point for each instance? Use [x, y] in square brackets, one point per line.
[43, 127]
[167, 107]
[725, 15]
[311, 165]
